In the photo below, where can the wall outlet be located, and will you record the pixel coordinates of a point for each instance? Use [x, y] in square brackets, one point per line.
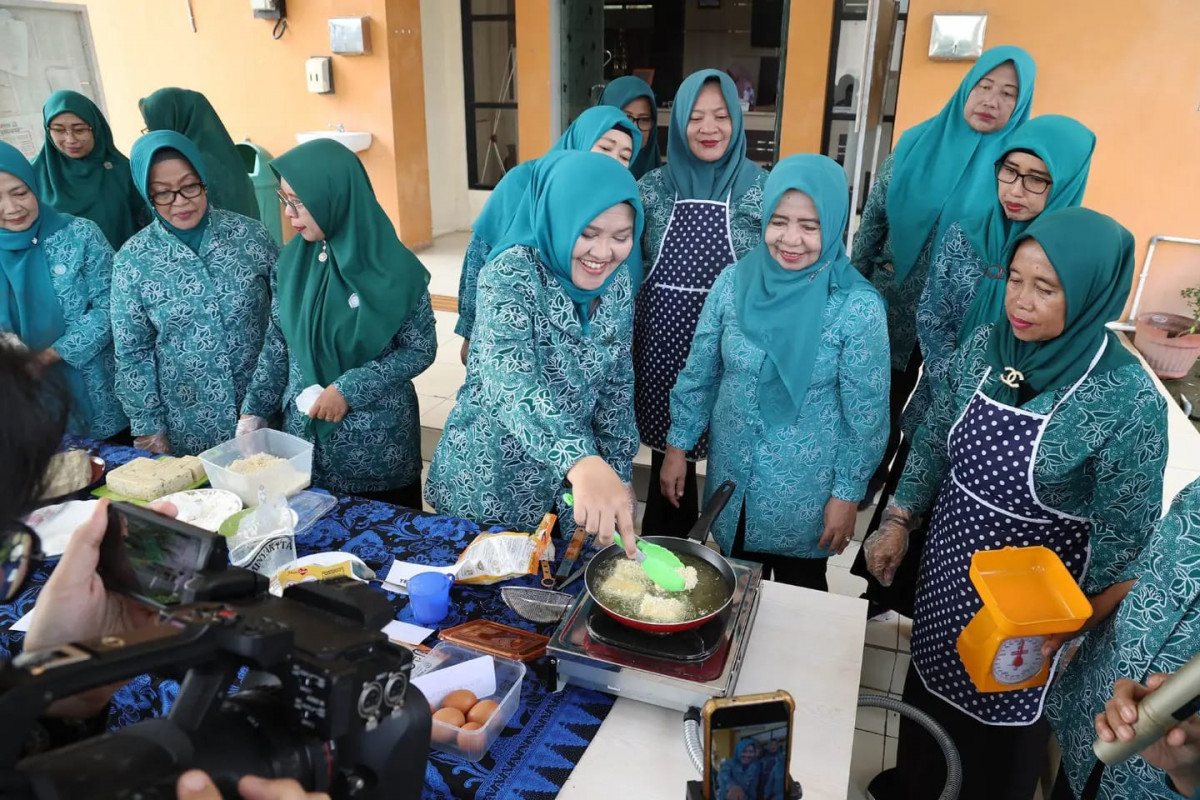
[318, 71]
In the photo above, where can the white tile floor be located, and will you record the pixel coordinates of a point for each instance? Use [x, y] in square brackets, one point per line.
[886, 655]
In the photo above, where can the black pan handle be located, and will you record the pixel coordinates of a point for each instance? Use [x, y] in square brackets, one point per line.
[712, 510]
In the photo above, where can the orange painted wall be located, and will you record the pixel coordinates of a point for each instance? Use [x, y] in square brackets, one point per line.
[805, 77]
[534, 124]
[1131, 73]
[257, 83]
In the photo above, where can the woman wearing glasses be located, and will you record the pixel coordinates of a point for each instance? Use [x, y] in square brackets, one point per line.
[189, 304]
[351, 326]
[190, 113]
[80, 172]
[1045, 168]
[635, 97]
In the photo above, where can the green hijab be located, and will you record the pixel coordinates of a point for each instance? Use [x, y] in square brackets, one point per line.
[781, 310]
[341, 301]
[1093, 257]
[620, 93]
[943, 169]
[142, 156]
[1066, 146]
[191, 114]
[29, 306]
[568, 190]
[97, 186]
[732, 174]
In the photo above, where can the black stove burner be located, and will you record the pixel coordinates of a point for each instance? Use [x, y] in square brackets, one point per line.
[687, 646]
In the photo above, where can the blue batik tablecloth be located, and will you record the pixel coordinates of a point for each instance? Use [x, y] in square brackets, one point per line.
[547, 736]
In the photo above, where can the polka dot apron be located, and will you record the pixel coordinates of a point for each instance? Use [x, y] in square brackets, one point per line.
[988, 502]
[696, 248]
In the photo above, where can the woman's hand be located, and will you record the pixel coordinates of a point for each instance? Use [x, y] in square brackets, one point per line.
[840, 516]
[248, 423]
[46, 358]
[156, 443]
[1103, 605]
[885, 548]
[602, 502]
[330, 406]
[1177, 752]
[466, 347]
[196, 785]
[673, 475]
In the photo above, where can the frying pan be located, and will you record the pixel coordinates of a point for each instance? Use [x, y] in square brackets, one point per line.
[693, 546]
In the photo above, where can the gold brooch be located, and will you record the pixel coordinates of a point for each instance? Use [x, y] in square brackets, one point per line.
[1012, 377]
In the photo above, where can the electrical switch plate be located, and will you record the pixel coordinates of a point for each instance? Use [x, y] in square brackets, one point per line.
[319, 72]
[268, 9]
[350, 36]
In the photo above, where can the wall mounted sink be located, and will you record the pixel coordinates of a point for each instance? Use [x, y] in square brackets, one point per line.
[355, 141]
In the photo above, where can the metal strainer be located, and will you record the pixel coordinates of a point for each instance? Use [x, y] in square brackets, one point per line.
[536, 605]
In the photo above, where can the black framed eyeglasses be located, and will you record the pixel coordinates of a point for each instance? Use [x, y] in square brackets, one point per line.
[20, 556]
[643, 123]
[1034, 184]
[287, 202]
[167, 197]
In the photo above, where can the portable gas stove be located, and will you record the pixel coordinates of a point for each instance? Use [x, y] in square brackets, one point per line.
[675, 670]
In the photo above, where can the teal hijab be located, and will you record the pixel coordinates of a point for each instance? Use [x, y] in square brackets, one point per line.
[567, 190]
[620, 93]
[141, 157]
[692, 179]
[97, 186]
[29, 306]
[943, 170]
[507, 201]
[341, 301]
[190, 113]
[781, 310]
[1093, 257]
[1066, 146]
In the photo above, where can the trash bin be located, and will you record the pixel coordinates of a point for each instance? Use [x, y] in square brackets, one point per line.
[265, 187]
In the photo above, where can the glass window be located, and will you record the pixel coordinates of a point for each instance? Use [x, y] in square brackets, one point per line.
[489, 72]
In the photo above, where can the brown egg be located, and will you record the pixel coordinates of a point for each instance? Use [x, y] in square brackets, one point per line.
[482, 711]
[448, 716]
[462, 699]
[470, 742]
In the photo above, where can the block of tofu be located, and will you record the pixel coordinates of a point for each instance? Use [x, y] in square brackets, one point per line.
[150, 479]
[195, 466]
[68, 472]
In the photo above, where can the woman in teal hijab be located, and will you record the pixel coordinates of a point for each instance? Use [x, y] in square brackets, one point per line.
[599, 130]
[351, 326]
[636, 99]
[190, 113]
[788, 372]
[189, 304]
[704, 211]
[55, 272]
[1046, 432]
[81, 172]
[942, 171]
[549, 391]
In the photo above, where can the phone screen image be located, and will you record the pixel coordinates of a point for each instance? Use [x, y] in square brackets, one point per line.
[749, 762]
[146, 559]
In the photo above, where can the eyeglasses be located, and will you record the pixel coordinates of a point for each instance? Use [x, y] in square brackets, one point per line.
[20, 556]
[643, 123]
[78, 131]
[1034, 184]
[294, 205]
[145, 131]
[167, 196]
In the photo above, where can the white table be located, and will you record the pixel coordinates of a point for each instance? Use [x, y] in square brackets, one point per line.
[809, 643]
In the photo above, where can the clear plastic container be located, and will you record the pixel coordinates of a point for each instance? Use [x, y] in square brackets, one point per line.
[473, 745]
[286, 479]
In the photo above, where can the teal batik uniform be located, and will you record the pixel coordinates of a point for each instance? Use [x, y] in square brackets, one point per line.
[789, 370]
[1156, 628]
[54, 293]
[506, 204]
[351, 311]
[972, 253]
[188, 324]
[940, 172]
[549, 376]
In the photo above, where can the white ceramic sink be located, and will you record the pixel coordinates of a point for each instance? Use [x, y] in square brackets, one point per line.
[355, 141]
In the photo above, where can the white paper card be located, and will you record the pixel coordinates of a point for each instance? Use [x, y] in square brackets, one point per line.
[23, 623]
[400, 572]
[406, 632]
[478, 675]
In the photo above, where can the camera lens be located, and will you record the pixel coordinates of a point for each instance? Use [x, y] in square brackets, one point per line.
[393, 691]
[370, 699]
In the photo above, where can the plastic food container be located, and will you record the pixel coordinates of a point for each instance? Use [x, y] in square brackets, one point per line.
[472, 745]
[286, 479]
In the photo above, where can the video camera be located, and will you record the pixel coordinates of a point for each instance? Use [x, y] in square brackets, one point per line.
[327, 700]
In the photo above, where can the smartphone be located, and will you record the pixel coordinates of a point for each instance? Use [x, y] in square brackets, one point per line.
[747, 746]
[157, 559]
